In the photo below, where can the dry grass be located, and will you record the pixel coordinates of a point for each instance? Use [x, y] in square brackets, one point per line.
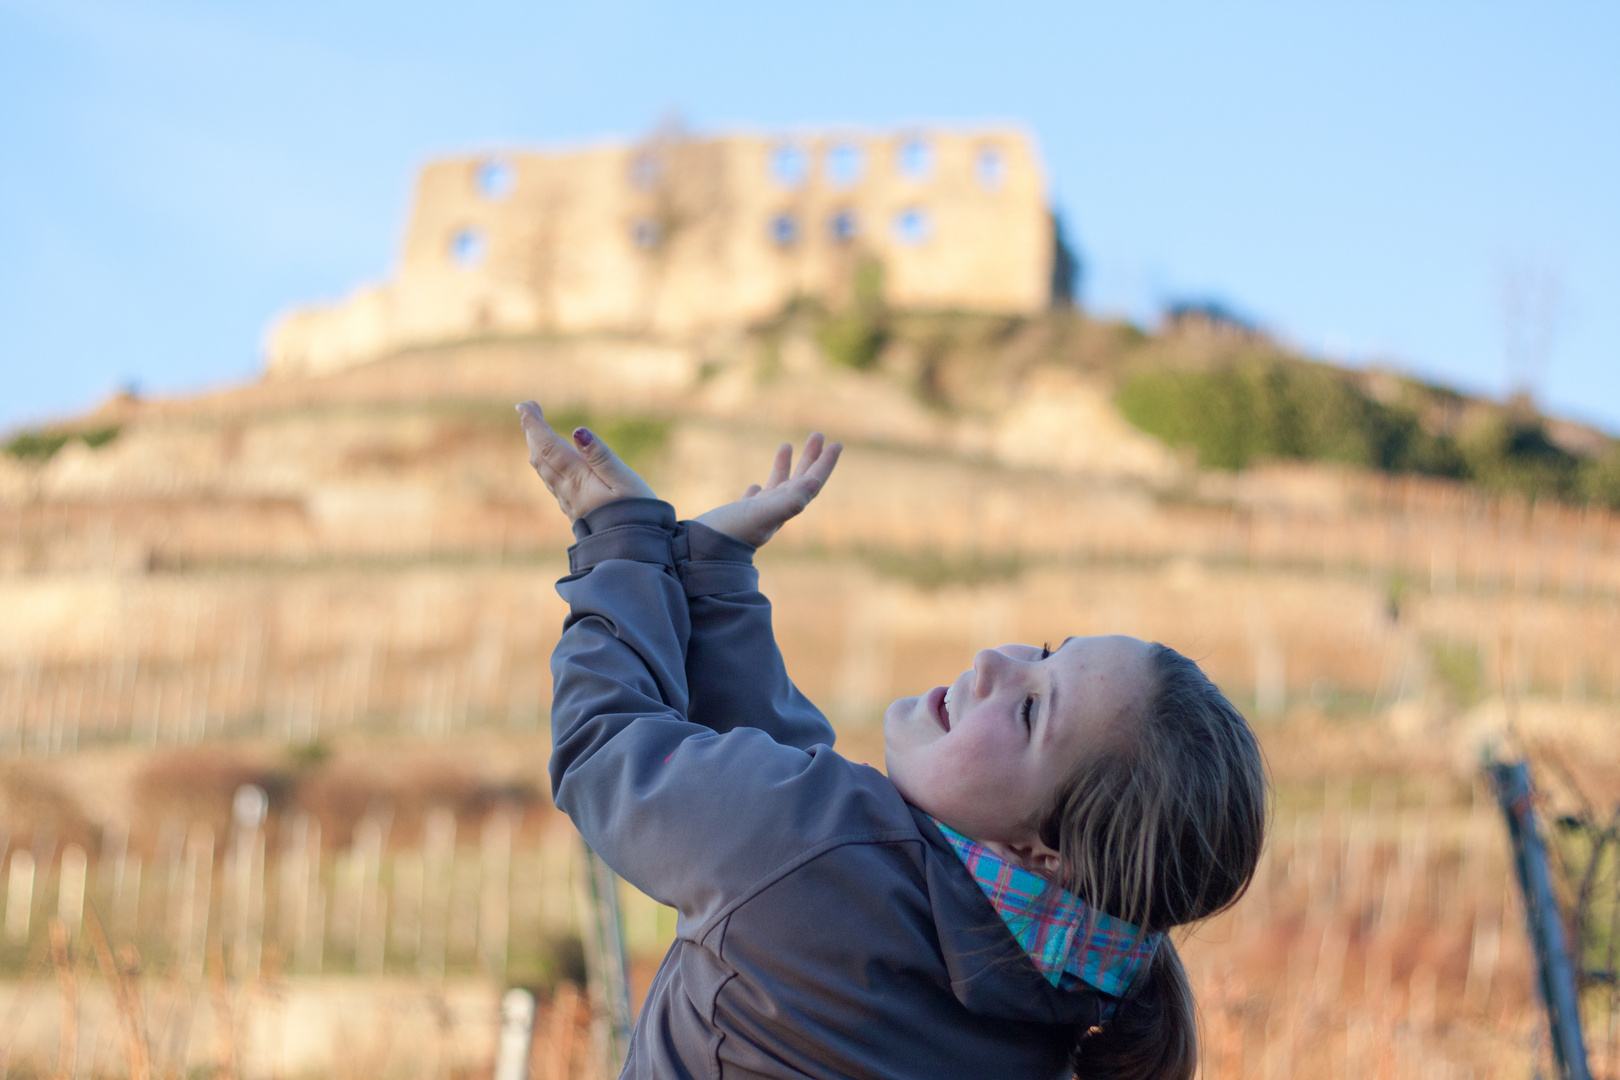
[1383, 939]
[1379, 941]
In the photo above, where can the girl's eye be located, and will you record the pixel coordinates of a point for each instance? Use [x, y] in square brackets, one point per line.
[1046, 650]
[1029, 708]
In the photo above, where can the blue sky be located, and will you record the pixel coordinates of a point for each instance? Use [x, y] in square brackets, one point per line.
[1364, 179]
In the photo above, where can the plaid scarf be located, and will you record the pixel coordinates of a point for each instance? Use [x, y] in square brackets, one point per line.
[1067, 939]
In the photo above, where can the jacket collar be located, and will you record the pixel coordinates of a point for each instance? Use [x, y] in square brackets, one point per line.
[990, 972]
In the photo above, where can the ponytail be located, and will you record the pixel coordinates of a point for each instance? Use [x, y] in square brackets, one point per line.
[1162, 829]
[1153, 1034]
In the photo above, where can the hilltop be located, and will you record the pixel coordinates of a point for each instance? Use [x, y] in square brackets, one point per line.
[1216, 396]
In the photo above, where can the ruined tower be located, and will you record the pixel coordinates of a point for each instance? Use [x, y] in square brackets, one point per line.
[677, 236]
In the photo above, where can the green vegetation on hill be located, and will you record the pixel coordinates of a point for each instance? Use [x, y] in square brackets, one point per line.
[1282, 409]
[855, 337]
[1272, 406]
[43, 445]
[1231, 396]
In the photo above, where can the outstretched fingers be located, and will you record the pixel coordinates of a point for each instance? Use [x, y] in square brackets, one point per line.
[780, 466]
[812, 451]
[765, 508]
[805, 480]
[822, 462]
[550, 454]
[815, 467]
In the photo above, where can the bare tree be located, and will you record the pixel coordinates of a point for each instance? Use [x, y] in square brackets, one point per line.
[1530, 299]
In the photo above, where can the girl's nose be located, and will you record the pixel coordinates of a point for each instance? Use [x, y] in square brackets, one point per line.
[989, 665]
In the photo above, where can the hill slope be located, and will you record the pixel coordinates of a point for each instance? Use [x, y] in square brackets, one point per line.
[341, 588]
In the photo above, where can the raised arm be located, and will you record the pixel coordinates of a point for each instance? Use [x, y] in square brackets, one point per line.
[689, 815]
[734, 670]
[735, 676]
[692, 816]
[733, 666]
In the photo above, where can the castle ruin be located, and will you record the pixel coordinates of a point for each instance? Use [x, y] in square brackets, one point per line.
[680, 236]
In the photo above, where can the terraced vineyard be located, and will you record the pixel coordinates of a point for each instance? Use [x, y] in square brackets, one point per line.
[337, 592]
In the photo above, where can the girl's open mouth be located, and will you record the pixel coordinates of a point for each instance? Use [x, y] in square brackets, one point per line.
[936, 701]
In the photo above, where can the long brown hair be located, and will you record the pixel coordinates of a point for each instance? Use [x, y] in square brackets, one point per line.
[1162, 828]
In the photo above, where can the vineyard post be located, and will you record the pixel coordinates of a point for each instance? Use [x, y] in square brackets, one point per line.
[1554, 966]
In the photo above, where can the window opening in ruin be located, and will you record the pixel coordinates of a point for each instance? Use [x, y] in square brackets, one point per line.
[843, 226]
[784, 229]
[991, 168]
[913, 226]
[646, 233]
[495, 179]
[915, 159]
[645, 170]
[789, 164]
[844, 164]
[468, 247]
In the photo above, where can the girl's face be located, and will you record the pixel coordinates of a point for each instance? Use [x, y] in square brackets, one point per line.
[986, 754]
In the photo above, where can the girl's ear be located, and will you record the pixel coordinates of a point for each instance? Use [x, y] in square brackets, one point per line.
[1033, 856]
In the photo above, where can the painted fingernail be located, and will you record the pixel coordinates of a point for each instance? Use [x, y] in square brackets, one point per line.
[583, 437]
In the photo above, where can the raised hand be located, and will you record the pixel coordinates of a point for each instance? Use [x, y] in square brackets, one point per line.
[582, 474]
[764, 508]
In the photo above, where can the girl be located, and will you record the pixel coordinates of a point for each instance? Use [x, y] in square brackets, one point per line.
[994, 907]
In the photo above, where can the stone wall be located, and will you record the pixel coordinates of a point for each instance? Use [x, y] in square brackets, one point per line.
[677, 237]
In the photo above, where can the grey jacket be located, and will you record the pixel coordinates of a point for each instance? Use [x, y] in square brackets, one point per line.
[825, 927]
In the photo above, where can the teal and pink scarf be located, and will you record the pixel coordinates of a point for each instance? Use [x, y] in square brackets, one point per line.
[1067, 939]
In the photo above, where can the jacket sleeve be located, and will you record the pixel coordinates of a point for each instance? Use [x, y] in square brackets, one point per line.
[734, 671]
[690, 815]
